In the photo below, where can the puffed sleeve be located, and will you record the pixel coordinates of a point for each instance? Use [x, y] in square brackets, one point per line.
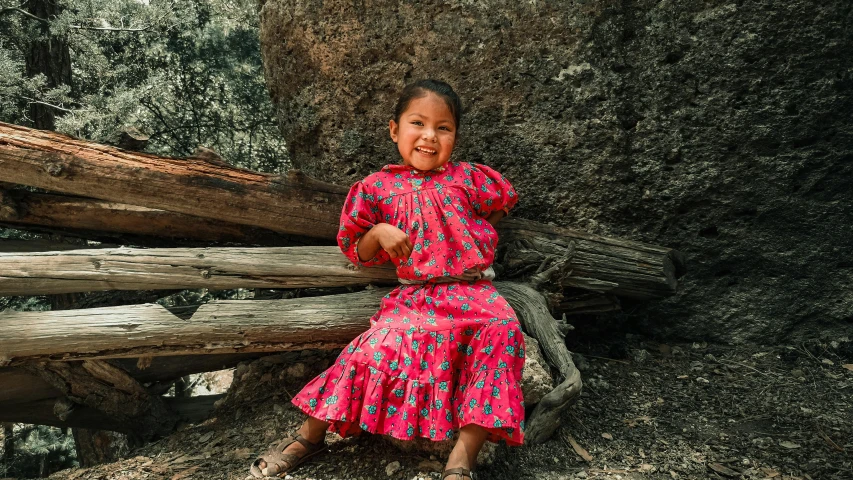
[493, 191]
[359, 215]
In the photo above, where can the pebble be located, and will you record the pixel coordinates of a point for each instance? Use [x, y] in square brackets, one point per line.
[393, 468]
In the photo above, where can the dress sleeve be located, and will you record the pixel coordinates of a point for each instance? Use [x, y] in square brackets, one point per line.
[493, 191]
[359, 215]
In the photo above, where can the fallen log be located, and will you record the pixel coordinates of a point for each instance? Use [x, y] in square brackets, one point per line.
[189, 409]
[293, 204]
[179, 268]
[110, 390]
[101, 219]
[18, 385]
[230, 326]
[309, 208]
[587, 261]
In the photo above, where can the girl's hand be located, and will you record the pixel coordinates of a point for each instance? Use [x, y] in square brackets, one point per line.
[394, 241]
[387, 237]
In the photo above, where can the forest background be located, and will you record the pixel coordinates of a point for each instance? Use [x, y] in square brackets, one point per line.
[185, 73]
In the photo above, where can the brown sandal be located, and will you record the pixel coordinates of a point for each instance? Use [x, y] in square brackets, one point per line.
[278, 463]
[460, 472]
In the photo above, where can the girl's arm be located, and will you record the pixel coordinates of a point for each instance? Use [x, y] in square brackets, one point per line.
[387, 237]
[495, 217]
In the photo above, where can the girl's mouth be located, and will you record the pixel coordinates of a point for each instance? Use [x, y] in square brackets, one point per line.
[425, 150]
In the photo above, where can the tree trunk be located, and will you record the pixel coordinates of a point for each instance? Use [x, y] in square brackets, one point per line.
[96, 446]
[8, 442]
[47, 55]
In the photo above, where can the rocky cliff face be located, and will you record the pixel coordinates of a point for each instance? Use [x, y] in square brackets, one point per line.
[722, 129]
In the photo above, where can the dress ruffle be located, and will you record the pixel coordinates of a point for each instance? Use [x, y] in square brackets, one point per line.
[413, 382]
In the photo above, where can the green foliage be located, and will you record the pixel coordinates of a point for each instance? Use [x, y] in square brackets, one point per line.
[188, 73]
[39, 451]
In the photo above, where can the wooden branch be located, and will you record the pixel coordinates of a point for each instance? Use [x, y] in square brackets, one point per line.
[110, 390]
[294, 204]
[532, 310]
[192, 409]
[92, 218]
[176, 268]
[216, 327]
[20, 386]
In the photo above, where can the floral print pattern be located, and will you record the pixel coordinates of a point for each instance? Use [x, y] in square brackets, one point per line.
[437, 356]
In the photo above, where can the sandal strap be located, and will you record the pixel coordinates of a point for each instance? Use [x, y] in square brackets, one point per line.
[310, 447]
[460, 472]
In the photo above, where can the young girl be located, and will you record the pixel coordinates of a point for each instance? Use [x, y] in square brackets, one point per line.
[445, 351]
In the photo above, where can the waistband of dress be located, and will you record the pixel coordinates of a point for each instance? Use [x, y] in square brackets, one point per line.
[470, 275]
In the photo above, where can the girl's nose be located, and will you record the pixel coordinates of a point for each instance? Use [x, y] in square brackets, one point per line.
[429, 134]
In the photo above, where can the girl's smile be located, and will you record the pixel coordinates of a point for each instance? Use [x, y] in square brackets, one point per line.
[426, 133]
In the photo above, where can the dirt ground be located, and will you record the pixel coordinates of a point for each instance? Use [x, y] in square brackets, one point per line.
[648, 410]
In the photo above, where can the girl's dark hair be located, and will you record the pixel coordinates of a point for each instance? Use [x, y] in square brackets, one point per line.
[420, 89]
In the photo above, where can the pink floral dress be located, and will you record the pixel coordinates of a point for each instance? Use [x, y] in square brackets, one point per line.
[439, 355]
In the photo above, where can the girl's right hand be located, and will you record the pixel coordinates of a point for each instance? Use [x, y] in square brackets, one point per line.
[393, 240]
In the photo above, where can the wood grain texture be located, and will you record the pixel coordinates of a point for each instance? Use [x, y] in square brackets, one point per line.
[179, 268]
[92, 218]
[293, 204]
[218, 327]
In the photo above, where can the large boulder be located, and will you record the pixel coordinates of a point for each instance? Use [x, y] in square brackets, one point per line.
[718, 128]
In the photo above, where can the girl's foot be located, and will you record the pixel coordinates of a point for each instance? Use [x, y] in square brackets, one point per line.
[459, 473]
[285, 456]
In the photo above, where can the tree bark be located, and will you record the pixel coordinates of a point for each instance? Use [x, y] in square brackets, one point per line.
[20, 386]
[532, 310]
[105, 220]
[193, 409]
[214, 268]
[8, 442]
[95, 446]
[294, 204]
[104, 387]
[216, 327]
[47, 55]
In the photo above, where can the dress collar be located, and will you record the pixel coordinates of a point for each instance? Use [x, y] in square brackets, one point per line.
[398, 167]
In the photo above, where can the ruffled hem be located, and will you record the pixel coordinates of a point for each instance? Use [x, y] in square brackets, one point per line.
[429, 399]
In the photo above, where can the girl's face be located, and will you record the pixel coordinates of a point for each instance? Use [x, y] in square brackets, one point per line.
[426, 133]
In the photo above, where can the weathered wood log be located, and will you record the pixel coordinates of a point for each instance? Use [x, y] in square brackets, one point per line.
[178, 268]
[97, 219]
[20, 386]
[588, 303]
[293, 204]
[532, 310]
[110, 390]
[591, 262]
[216, 327]
[192, 409]
[309, 208]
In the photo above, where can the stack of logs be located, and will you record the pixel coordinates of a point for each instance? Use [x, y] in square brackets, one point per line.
[108, 367]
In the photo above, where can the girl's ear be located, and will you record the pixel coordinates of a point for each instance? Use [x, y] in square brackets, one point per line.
[392, 129]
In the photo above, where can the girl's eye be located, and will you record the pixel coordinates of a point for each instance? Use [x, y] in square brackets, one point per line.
[417, 122]
[445, 128]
